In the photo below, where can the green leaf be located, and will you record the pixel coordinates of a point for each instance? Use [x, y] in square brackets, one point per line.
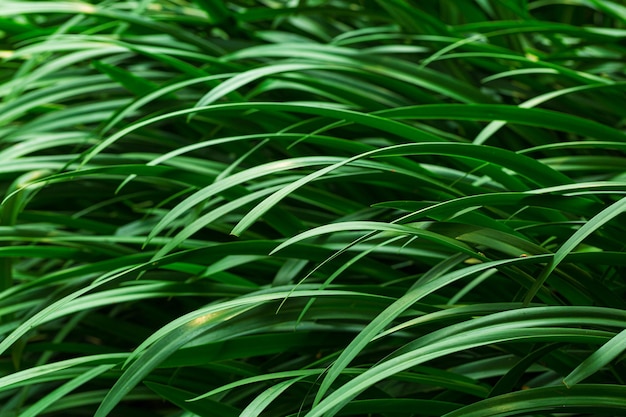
[587, 229]
[136, 85]
[263, 400]
[63, 390]
[597, 360]
[594, 399]
[180, 398]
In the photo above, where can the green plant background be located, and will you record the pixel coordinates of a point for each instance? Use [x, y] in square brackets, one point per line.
[312, 208]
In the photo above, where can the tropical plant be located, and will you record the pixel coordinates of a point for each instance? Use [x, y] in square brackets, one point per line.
[312, 208]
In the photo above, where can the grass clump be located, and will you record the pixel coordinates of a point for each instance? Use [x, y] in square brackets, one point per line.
[312, 208]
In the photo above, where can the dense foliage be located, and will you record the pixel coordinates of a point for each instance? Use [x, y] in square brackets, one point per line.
[312, 208]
